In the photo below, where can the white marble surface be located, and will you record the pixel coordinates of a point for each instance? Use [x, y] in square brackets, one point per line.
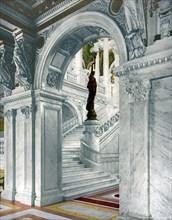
[145, 153]
[161, 149]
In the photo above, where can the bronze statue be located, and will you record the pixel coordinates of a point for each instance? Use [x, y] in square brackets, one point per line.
[92, 87]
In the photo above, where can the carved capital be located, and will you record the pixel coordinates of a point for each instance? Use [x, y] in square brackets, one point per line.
[9, 114]
[24, 57]
[27, 110]
[138, 90]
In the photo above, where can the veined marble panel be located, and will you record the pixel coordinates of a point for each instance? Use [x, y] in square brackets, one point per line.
[20, 151]
[138, 158]
[124, 151]
[161, 149]
[51, 163]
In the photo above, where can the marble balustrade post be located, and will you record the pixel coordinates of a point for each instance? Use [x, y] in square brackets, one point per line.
[91, 152]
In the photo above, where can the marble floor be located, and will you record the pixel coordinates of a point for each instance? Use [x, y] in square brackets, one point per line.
[100, 206]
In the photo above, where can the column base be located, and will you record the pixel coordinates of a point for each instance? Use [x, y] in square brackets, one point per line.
[48, 200]
[25, 198]
[133, 217]
[8, 194]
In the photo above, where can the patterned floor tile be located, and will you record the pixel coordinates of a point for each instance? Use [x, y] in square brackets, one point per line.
[33, 214]
[5, 207]
[86, 211]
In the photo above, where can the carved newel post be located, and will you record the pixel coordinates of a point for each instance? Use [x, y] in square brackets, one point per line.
[90, 142]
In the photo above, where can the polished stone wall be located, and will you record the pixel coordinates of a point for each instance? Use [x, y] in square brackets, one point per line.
[145, 139]
[161, 148]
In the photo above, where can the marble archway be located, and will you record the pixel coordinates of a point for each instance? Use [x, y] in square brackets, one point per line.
[34, 117]
[67, 39]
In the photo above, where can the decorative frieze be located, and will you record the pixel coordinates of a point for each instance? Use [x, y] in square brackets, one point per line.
[27, 110]
[145, 64]
[138, 90]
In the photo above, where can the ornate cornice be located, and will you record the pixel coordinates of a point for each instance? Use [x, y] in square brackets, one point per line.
[141, 64]
[16, 15]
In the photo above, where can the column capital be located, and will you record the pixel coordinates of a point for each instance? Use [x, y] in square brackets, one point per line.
[138, 90]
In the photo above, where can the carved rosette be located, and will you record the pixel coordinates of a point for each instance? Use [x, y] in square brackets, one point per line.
[138, 90]
[52, 79]
[26, 111]
[9, 114]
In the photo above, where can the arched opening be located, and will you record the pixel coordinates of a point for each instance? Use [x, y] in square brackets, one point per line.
[55, 58]
[68, 38]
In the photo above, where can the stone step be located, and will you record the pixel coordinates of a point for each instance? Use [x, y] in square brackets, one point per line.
[70, 159]
[83, 179]
[86, 191]
[73, 166]
[75, 171]
[70, 150]
[80, 175]
[80, 186]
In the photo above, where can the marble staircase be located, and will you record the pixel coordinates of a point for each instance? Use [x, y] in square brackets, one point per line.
[78, 180]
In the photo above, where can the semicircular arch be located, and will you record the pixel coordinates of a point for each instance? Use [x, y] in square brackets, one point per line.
[67, 39]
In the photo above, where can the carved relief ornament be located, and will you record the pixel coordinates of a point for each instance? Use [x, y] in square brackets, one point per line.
[138, 90]
[6, 70]
[27, 110]
[23, 59]
[9, 114]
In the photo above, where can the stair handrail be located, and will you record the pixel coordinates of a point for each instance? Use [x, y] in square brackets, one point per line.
[89, 156]
[69, 125]
[104, 128]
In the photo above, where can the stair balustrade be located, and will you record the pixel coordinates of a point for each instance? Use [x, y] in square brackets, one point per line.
[100, 157]
[69, 125]
[89, 156]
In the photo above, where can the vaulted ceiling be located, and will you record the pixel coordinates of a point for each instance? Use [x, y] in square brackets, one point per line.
[34, 15]
[31, 8]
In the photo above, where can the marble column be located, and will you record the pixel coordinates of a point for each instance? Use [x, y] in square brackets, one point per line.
[134, 153]
[106, 63]
[33, 156]
[10, 154]
[48, 151]
[19, 169]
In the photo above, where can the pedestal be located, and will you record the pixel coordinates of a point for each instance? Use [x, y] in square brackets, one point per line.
[90, 145]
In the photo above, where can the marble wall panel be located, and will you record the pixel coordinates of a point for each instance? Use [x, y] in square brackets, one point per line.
[161, 149]
[50, 148]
